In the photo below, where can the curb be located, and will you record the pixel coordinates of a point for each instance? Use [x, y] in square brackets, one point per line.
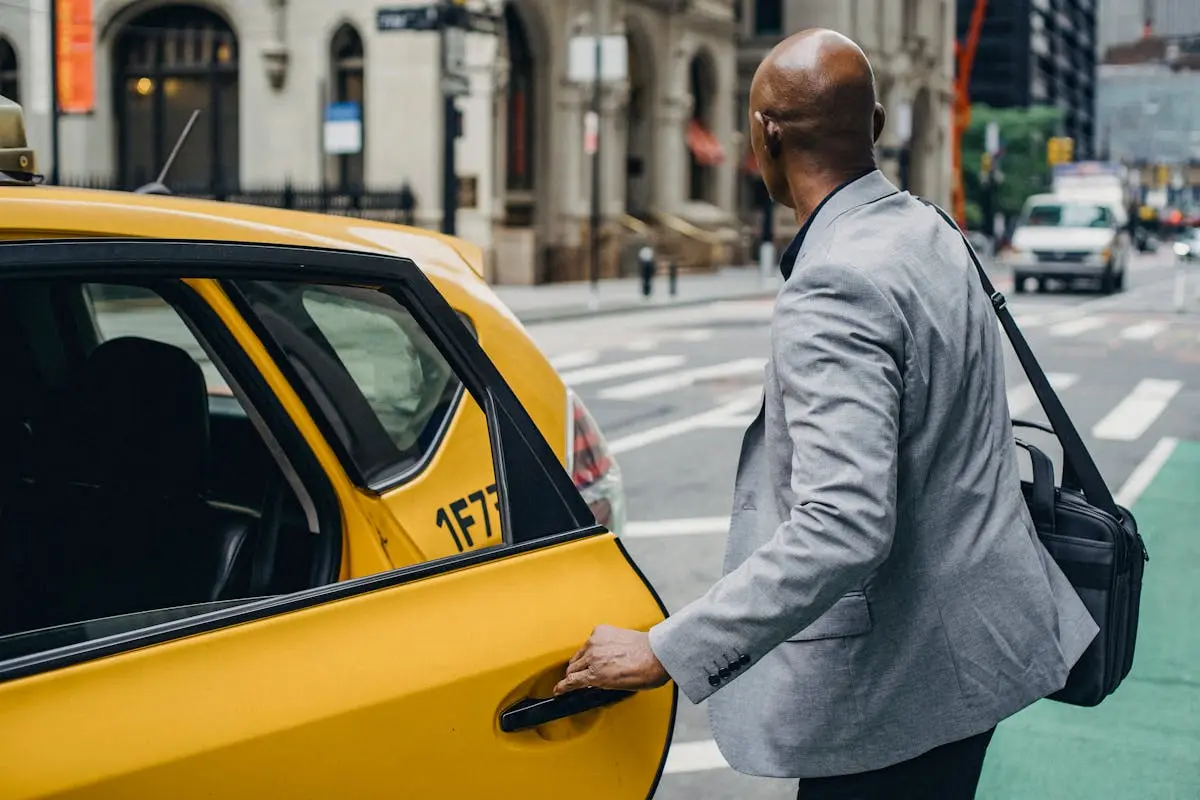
[533, 317]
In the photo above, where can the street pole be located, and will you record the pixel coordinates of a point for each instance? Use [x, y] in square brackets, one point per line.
[54, 148]
[766, 247]
[594, 227]
[449, 131]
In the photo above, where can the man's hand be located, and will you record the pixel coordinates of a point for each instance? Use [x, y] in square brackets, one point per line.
[614, 658]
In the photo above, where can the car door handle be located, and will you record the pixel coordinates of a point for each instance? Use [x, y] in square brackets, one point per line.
[532, 712]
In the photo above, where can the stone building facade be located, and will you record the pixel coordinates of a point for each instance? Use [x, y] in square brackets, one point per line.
[910, 44]
[263, 72]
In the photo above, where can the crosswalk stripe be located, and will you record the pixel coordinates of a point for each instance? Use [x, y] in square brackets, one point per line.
[1022, 398]
[1074, 327]
[1144, 472]
[683, 379]
[573, 360]
[694, 757]
[1137, 411]
[621, 369]
[1144, 330]
[739, 405]
[676, 527]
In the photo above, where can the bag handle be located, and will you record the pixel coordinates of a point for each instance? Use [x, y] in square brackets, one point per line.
[1079, 469]
[1041, 490]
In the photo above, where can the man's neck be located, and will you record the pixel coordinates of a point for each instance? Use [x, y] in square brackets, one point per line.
[810, 186]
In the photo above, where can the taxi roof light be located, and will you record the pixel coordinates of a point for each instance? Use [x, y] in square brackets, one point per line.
[17, 160]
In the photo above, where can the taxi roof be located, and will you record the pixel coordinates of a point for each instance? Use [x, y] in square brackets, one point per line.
[43, 212]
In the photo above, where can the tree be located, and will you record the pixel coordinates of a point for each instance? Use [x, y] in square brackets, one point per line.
[1022, 161]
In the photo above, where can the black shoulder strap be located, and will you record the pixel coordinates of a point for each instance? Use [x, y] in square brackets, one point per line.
[1079, 469]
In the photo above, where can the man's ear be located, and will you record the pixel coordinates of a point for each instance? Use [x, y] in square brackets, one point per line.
[772, 134]
[880, 120]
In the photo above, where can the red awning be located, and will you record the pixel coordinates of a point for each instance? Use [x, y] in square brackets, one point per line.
[704, 145]
[750, 163]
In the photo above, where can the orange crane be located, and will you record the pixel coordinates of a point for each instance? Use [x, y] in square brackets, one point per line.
[962, 106]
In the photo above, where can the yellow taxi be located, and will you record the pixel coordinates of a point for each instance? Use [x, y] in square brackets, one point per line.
[292, 506]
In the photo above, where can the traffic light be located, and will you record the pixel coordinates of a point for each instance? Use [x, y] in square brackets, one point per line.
[1060, 150]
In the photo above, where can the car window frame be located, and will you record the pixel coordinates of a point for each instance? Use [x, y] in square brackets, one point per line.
[396, 276]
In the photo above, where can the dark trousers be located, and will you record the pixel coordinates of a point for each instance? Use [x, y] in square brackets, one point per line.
[949, 772]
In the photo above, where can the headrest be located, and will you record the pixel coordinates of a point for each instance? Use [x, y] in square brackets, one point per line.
[143, 406]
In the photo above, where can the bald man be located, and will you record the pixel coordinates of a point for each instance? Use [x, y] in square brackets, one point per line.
[885, 601]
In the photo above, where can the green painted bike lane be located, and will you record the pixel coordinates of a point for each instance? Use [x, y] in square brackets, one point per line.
[1143, 742]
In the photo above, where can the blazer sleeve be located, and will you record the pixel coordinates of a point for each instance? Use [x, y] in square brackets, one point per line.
[837, 348]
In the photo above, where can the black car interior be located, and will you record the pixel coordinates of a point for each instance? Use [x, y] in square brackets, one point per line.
[124, 486]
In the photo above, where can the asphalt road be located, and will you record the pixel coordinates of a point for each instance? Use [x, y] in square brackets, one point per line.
[674, 389]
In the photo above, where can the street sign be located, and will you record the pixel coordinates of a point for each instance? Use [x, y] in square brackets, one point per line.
[904, 123]
[992, 138]
[343, 128]
[408, 18]
[434, 17]
[591, 132]
[581, 59]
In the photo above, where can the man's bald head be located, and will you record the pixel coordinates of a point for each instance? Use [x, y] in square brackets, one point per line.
[813, 99]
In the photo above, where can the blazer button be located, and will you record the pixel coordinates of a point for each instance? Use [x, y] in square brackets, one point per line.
[744, 660]
[714, 680]
[724, 672]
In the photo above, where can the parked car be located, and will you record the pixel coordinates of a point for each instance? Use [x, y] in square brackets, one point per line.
[287, 509]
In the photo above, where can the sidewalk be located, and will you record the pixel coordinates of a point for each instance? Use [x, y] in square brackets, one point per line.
[562, 301]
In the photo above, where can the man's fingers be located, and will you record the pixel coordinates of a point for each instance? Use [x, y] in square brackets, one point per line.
[580, 656]
[573, 681]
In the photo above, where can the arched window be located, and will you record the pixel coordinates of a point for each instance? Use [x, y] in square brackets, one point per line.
[768, 17]
[521, 110]
[10, 76]
[169, 62]
[346, 58]
[703, 149]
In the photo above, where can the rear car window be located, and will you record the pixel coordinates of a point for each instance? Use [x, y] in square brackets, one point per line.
[385, 390]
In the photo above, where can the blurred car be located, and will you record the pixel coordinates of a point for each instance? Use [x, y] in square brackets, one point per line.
[1067, 239]
[290, 505]
[1187, 245]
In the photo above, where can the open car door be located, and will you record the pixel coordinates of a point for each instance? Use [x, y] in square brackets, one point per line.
[428, 681]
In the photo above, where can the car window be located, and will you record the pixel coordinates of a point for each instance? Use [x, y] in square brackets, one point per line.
[382, 388]
[393, 363]
[146, 492]
[123, 310]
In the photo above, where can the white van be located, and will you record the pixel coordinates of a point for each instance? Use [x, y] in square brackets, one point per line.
[1069, 237]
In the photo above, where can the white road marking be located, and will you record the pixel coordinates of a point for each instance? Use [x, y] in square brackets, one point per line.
[1074, 327]
[573, 360]
[1144, 330]
[680, 426]
[641, 345]
[695, 335]
[1028, 320]
[1137, 411]
[676, 527]
[733, 421]
[694, 757]
[621, 369]
[1144, 472]
[682, 379]
[1022, 398]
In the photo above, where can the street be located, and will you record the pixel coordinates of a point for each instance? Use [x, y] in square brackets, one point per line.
[673, 389]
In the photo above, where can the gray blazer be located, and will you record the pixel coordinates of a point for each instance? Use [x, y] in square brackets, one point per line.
[884, 592]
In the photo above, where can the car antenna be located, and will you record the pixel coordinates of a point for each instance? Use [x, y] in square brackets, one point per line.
[157, 186]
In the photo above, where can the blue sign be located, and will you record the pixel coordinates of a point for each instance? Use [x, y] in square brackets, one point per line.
[343, 112]
[343, 128]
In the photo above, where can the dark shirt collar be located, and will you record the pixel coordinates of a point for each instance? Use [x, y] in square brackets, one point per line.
[788, 259]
